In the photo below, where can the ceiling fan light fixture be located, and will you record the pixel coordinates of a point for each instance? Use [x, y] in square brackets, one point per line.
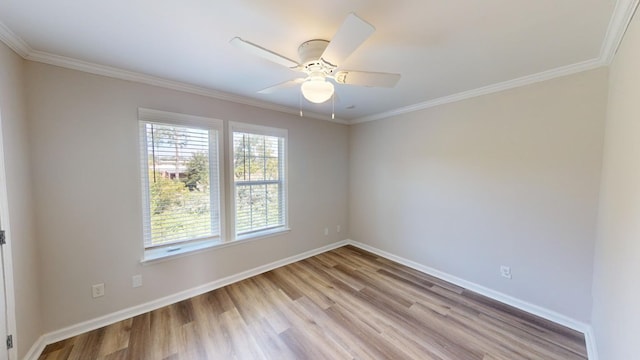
[317, 90]
[320, 59]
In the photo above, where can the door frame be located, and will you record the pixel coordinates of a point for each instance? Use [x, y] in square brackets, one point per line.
[7, 258]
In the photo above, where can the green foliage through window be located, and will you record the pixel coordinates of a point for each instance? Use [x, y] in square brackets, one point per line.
[178, 184]
[258, 164]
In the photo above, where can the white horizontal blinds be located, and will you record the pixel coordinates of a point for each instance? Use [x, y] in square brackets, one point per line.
[180, 190]
[259, 176]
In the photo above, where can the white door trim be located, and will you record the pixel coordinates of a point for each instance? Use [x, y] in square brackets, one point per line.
[6, 254]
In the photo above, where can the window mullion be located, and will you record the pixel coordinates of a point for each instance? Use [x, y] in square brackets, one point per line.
[281, 195]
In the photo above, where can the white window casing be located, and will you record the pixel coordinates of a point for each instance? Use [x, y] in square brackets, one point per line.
[258, 178]
[183, 205]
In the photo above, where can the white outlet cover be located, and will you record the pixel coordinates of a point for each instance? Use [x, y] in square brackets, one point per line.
[97, 290]
[505, 271]
[136, 281]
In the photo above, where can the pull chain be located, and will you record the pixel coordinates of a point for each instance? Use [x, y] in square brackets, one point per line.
[300, 103]
[333, 107]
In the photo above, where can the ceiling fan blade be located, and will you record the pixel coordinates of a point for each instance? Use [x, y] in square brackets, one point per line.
[262, 52]
[351, 34]
[363, 78]
[284, 85]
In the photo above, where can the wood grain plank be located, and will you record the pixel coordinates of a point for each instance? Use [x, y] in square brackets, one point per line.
[140, 339]
[116, 338]
[163, 324]
[343, 304]
[87, 346]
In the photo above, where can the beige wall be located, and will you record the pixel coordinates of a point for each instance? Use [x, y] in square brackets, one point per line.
[21, 216]
[616, 290]
[509, 178]
[86, 181]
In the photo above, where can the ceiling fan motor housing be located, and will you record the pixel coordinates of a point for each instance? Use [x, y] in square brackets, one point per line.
[310, 53]
[320, 59]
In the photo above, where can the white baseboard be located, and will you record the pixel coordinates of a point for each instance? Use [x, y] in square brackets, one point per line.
[590, 339]
[495, 295]
[105, 320]
[36, 349]
[123, 314]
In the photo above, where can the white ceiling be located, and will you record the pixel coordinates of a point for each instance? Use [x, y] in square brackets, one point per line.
[441, 48]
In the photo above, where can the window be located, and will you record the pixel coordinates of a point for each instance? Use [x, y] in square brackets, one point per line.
[259, 180]
[182, 208]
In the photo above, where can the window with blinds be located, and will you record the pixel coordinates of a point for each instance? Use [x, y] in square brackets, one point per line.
[181, 183]
[259, 180]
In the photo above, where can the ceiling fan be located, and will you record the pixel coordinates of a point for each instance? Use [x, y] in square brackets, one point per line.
[319, 60]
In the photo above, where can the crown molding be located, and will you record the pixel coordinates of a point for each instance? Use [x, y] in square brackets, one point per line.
[622, 15]
[490, 89]
[108, 71]
[13, 41]
[620, 19]
[23, 49]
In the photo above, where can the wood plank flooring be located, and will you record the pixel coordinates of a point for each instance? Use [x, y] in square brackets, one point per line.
[342, 304]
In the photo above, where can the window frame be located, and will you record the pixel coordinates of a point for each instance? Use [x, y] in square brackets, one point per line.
[146, 116]
[267, 131]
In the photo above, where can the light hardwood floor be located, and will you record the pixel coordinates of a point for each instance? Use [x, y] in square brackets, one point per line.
[342, 304]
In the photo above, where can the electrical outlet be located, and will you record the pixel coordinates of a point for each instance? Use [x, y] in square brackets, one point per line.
[326, 231]
[136, 281]
[505, 271]
[338, 228]
[97, 290]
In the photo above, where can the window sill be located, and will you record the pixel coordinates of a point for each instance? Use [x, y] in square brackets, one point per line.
[152, 256]
[262, 234]
[178, 250]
